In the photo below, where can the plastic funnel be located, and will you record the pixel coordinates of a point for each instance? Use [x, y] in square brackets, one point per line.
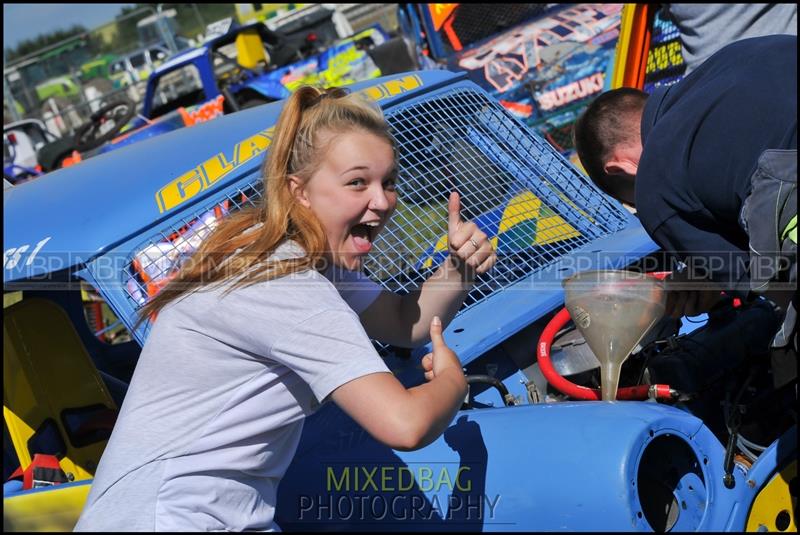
[613, 310]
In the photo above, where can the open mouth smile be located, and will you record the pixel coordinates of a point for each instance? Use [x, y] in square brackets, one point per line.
[364, 235]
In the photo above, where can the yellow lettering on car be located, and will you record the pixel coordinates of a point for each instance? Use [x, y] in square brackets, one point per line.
[217, 167]
[393, 87]
[252, 147]
[207, 173]
[220, 165]
[184, 187]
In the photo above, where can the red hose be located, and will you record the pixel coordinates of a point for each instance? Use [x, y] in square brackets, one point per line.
[581, 392]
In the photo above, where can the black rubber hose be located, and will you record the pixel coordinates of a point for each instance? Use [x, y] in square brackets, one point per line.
[493, 381]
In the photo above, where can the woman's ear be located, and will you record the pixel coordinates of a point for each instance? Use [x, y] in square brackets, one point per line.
[298, 191]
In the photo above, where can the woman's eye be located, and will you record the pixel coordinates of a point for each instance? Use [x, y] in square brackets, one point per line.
[390, 185]
[357, 182]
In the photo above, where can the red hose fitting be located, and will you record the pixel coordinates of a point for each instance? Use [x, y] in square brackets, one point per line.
[581, 392]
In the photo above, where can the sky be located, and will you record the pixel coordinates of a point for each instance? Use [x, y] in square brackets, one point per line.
[26, 21]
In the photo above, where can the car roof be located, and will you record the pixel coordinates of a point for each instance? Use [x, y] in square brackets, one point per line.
[88, 208]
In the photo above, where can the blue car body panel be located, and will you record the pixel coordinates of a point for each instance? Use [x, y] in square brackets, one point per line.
[545, 468]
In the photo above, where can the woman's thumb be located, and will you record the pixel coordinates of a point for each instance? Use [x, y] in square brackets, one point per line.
[436, 332]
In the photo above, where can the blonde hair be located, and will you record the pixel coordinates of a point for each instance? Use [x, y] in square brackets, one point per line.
[239, 244]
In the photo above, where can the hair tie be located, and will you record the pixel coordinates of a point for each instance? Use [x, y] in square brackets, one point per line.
[331, 93]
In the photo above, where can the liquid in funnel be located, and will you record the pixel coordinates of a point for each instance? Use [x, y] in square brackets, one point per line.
[613, 310]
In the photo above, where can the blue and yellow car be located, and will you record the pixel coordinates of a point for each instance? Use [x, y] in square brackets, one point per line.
[520, 455]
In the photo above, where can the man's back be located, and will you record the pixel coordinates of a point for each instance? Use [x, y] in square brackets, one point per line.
[702, 139]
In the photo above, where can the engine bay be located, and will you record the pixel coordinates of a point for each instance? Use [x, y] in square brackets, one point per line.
[720, 370]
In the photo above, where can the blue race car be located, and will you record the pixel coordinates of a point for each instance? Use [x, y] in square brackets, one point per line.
[715, 450]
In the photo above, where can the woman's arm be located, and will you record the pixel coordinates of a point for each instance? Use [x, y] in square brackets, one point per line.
[403, 321]
[408, 419]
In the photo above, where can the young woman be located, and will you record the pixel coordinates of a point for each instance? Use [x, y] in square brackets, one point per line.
[261, 326]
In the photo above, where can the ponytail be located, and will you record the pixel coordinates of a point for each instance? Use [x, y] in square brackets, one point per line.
[243, 242]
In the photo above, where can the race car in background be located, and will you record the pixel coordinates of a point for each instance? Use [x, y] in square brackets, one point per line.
[243, 67]
[543, 62]
[21, 141]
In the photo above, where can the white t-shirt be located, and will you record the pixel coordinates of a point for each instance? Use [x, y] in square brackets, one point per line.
[215, 409]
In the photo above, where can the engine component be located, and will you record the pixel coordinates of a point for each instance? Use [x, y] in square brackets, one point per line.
[613, 310]
[580, 392]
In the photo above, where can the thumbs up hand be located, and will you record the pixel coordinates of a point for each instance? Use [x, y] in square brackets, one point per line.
[442, 357]
[467, 242]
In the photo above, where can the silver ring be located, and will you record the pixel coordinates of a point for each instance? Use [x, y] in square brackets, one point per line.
[473, 242]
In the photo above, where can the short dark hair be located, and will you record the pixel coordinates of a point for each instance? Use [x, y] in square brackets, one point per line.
[605, 124]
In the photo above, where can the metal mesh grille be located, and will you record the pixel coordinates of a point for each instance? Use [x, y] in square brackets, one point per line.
[157, 259]
[519, 190]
